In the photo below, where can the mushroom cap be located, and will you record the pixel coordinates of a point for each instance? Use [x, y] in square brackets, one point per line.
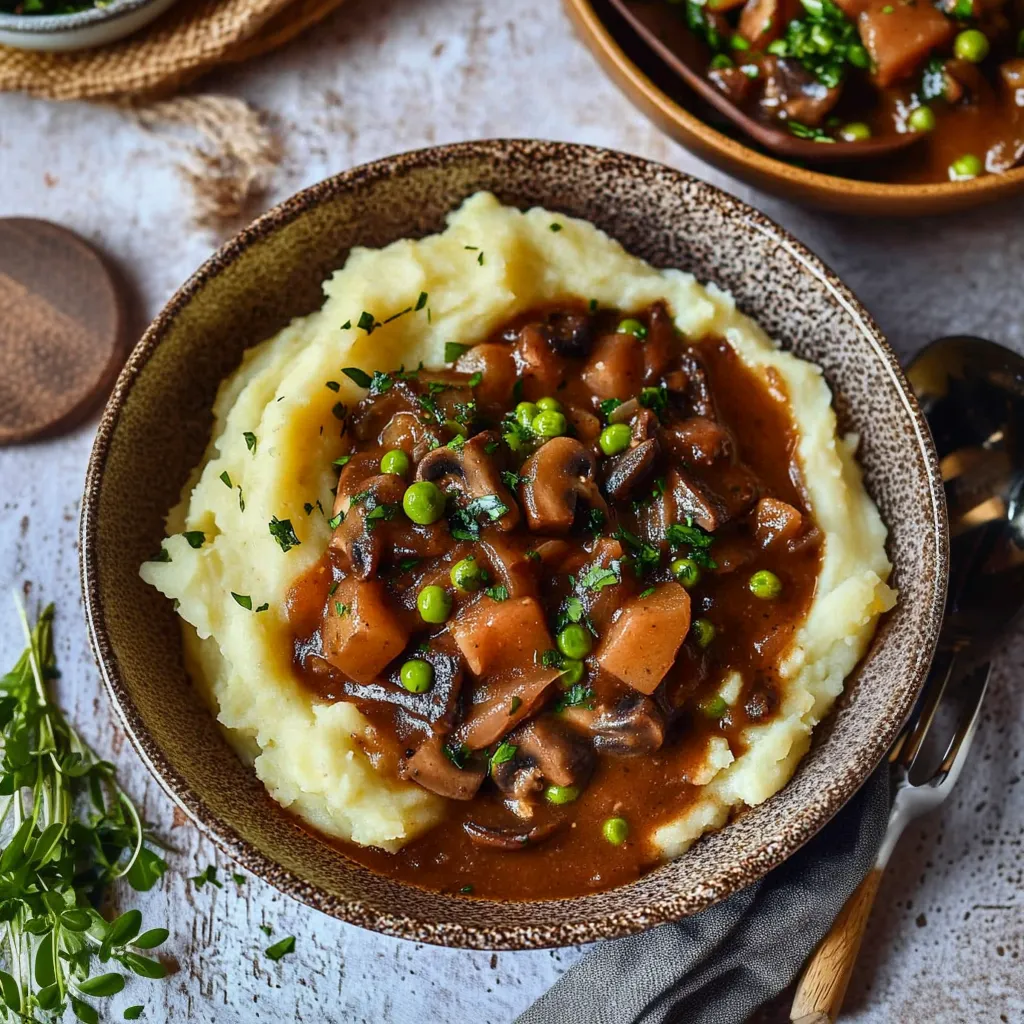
[557, 476]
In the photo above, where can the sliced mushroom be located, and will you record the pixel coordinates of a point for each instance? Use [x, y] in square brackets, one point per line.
[558, 477]
[520, 782]
[626, 473]
[359, 539]
[493, 361]
[438, 705]
[502, 702]
[661, 344]
[633, 724]
[570, 334]
[686, 497]
[541, 370]
[697, 440]
[406, 430]
[360, 631]
[431, 767]
[791, 93]
[563, 756]
[369, 418]
[585, 425]
[615, 367]
[474, 471]
[507, 838]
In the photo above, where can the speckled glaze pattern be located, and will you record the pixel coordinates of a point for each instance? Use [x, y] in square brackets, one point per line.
[157, 424]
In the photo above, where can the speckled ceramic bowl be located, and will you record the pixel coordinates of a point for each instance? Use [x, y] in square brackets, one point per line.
[80, 30]
[158, 420]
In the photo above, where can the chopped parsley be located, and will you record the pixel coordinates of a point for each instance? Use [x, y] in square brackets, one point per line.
[825, 41]
[282, 531]
[608, 406]
[408, 563]
[598, 577]
[163, 555]
[250, 440]
[195, 538]
[462, 522]
[576, 696]
[341, 610]
[646, 593]
[421, 301]
[475, 380]
[514, 705]
[340, 410]
[263, 607]
[696, 538]
[367, 322]
[480, 259]
[505, 752]
[281, 948]
[533, 556]
[384, 512]
[334, 385]
[342, 460]
[512, 480]
[458, 755]
[655, 399]
[241, 500]
[452, 351]
[244, 600]
[554, 227]
[497, 593]
[225, 479]
[358, 377]
[551, 658]
[335, 521]
[642, 556]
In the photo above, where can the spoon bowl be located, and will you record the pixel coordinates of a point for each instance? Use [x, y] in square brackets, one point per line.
[677, 47]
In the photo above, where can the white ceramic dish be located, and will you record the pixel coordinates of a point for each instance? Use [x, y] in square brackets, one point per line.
[57, 33]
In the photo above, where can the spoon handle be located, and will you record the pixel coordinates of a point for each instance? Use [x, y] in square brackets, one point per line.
[819, 995]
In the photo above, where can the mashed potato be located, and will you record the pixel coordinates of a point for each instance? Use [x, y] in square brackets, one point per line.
[275, 436]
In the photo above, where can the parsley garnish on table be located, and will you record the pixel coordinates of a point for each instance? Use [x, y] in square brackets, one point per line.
[71, 831]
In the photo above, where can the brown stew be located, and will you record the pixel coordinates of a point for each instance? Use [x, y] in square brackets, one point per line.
[611, 521]
[852, 69]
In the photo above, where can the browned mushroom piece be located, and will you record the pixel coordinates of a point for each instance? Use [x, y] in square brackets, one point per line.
[439, 706]
[685, 497]
[626, 473]
[695, 392]
[360, 630]
[508, 838]
[570, 334]
[615, 367]
[542, 370]
[511, 563]
[563, 756]
[763, 21]
[493, 361]
[776, 522]
[406, 430]
[359, 539]
[632, 725]
[502, 702]
[791, 93]
[585, 425]
[697, 440]
[520, 782]
[433, 769]
[661, 343]
[475, 472]
[558, 478]
[373, 413]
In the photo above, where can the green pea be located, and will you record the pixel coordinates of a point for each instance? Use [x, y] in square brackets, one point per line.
[634, 327]
[561, 794]
[467, 575]
[858, 56]
[615, 830]
[965, 167]
[395, 463]
[423, 502]
[525, 413]
[703, 631]
[855, 131]
[765, 585]
[572, 672]
[548, 424]
[417, 675]
[687, 571]
[713, 707]
[971, 45]
[548, 404]
[434, 604]
[719, 62]
[574, 641]
[921, 119]
[615, 439]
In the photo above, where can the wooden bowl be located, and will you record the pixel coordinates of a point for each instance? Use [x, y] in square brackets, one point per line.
[669, 103]
[158, 421]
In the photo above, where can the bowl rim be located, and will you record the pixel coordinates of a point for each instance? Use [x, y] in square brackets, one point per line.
[773, 849]
[44, 24]
[922, 198]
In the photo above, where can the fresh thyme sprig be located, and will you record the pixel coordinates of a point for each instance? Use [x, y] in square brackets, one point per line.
[69, 831]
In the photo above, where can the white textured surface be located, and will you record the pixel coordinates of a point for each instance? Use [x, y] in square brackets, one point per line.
[379, 77]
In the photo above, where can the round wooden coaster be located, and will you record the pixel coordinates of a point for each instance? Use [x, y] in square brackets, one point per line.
[61, 327]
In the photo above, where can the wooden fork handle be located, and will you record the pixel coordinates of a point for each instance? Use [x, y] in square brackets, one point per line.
[819, 995]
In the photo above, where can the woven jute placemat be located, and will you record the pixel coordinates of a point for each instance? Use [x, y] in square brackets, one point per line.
[193, 37]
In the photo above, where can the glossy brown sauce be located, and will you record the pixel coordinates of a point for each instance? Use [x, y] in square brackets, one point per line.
[649, 788]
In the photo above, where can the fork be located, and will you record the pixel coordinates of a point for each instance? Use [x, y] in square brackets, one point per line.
[819, 995]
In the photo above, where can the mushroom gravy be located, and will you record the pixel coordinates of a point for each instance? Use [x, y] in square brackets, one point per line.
[573, 606]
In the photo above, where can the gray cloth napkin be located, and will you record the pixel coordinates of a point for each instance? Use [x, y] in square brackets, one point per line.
[718, 966]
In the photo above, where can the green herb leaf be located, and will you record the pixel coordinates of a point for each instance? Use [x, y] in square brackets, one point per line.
[250, 440]
[195, 538]
[576, 696]
[281, 948]
[335, 521]
[421, 301]
[359, 377]
[244, 600]
[102, 985]
[505, 752]
[281, 530]
[144, 966]
[554, 227]
[598, 577]
[452, 351]
[84, 1012]
[458, 755]
[209, 875]
[497, 593]
[147, 870]
[226, 479]
[367, 322]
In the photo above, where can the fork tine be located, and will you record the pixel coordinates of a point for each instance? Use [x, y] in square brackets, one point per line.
[908, 746]
[959, 746]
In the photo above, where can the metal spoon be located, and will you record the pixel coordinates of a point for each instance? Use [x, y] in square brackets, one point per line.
[662, 31]
[972, 392]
